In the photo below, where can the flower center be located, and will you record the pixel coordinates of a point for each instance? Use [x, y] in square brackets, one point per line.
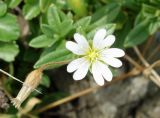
[92, 55]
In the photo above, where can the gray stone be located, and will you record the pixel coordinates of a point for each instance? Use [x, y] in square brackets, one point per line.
[118, 100]
[150, 108]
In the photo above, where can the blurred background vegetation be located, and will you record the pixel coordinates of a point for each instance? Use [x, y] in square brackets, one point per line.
[33, 33]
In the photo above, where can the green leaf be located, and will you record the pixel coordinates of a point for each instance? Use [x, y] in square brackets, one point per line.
[100, 22]
[42, 41]
[53, 16]
[55, 56]
[8, 51]
[109, 27]
[134, 5]
[149, 11]
[30, 1]
[31, 11]
[60, 23]
[9, 29]
[45, 81]
[54, 47]
[154, 26]
[14, 3]
[44, 4]
[110, 11]
[3, 8]
[138, 35]
[122, 33]
[156, 2]
[65, 16]
[47, 30]
[83, 22]
[139, 18]
[120, 20]
[66, 27]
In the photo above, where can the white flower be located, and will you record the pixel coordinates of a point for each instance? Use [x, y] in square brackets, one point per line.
[96, 57]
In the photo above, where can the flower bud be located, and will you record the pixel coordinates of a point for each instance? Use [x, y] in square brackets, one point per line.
[31, 82]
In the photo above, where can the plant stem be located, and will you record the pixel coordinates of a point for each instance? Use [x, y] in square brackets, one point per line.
[147, 65]
[84, 92]
[43, 67]
[133, 62]
[9, 75]
[153, 52]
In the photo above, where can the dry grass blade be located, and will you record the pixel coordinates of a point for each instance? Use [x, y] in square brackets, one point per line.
[86, 91]
[149, 42]
[147, 65]
[43, 67]
[133, 62]
[10, 76]
[156, 50]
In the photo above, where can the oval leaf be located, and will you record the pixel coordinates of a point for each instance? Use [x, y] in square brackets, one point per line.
[55, 56]
[3, 8]
[47, 30]
[53, 16]
[9, 29]
[8, 51]
[138, 35]
[31, 11]
[42, 41]
[44, 4]
[14, 3]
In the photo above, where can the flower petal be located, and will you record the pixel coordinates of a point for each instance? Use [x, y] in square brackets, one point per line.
[112, 61]
[75, 64]
[109, 40]
[96, 71]
[81, 40]
[81, 72]
[113, 52]
[73, 47]
[98, 38]
[106, 72]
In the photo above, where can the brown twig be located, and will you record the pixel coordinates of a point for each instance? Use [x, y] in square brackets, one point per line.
[134, 71]
[147, 65]
[145, 71]
[84, 92]
[149, 42]
[45, 66]
[155, 64]
[133, 62]
[153, 52]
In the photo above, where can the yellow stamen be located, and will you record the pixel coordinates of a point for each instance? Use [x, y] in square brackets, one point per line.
[92, 55]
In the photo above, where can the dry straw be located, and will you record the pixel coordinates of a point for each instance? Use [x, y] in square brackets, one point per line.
[32, 81]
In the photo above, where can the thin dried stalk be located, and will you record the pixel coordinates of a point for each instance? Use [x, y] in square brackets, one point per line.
[156, 50]
[31, 82]
[147, 65]
[133, 62]
[10, 76]
[84, 92]
[43, 67]
[149, 42]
